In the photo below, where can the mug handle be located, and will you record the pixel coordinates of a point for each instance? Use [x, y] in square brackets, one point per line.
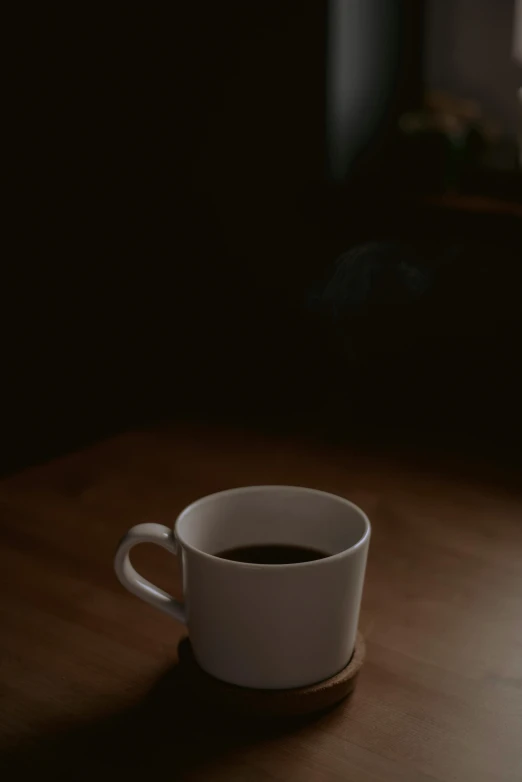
[131, 579]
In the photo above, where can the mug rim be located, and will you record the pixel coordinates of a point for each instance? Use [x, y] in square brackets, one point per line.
[273, 487]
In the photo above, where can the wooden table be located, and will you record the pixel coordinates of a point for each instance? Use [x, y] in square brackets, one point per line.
[89, 684]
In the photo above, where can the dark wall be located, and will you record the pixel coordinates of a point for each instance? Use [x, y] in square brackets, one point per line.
[158, 158]
[171, 218]
[469, 52]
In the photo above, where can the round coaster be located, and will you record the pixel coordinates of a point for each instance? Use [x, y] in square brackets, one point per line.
[296, 702]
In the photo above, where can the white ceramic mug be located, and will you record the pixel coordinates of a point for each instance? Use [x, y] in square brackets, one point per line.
[263, 626]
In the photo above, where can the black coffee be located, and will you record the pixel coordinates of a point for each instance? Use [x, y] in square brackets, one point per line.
[272, 554]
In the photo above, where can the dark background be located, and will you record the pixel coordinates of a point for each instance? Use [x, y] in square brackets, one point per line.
[173, 210]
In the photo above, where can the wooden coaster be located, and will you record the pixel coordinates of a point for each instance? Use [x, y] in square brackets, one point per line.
[296, 702]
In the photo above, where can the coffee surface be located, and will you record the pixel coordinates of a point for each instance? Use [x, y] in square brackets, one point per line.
[272, 554]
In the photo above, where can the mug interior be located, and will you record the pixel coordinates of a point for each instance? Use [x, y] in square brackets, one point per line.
[258, 515]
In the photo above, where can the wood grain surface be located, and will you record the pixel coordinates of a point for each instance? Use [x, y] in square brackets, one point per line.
[89, 685]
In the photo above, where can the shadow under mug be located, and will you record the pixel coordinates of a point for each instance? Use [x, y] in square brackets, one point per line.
[262, 626]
